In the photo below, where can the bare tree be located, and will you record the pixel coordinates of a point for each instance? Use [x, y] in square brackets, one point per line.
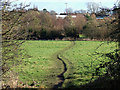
[93, 7]
[69, 10]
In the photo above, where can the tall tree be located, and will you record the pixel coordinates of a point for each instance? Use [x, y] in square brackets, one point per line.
[93, 7]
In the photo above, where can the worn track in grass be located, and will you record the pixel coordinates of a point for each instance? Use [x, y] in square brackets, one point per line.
[64, 61]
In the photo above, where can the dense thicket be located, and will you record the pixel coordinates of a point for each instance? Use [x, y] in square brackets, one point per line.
[39, 25]
[98, 28]
[42, 25]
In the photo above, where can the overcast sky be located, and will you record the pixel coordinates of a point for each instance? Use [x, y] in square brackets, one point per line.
[59, 5]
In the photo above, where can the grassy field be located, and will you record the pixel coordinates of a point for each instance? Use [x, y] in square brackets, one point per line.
[42, 66]
[84, 60]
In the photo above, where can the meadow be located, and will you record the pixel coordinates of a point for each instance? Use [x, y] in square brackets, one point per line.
[42, 66]
[84, 61]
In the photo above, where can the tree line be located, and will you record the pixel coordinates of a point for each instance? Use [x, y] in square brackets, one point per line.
[40, 25]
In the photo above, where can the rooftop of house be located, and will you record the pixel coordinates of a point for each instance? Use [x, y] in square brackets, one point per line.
[63, 16]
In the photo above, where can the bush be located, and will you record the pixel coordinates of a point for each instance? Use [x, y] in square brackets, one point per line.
[71, 32]
[95, 29]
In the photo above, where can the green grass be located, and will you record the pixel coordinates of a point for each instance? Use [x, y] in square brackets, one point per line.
[82, 36]
[84, 60]
[41, 64]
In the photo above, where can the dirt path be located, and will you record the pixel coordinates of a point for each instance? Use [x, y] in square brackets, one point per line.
[62, 59]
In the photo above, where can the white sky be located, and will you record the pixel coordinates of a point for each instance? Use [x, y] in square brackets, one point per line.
[59, 5]
[107, 1]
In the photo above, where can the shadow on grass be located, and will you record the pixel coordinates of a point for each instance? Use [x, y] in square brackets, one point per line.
[21, 89]
[100, 83]
[103, 83]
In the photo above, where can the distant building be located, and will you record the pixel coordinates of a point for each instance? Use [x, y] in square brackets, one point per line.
[102, 17]
[99, 17]
[63, 16]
